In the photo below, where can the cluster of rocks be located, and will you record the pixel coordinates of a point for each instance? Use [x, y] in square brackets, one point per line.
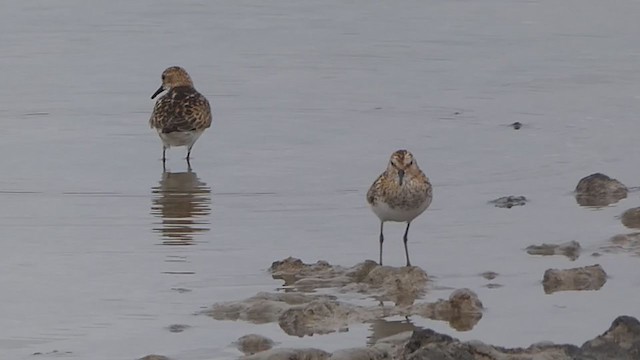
[599, 190]
[621, 342]
[509, 201]
[569, 249]
[574, 279]
[301, 314]
[595, 190]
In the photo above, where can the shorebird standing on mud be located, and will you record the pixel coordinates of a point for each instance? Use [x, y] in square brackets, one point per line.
[182, 114]
[401, 193]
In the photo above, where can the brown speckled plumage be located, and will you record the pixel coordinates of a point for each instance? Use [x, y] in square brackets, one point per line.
[182, 114]
[401, 193]
[181, 109]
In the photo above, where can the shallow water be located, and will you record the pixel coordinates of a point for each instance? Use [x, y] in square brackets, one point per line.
[102, 251]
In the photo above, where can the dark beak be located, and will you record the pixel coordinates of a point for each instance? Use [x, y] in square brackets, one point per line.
[400, 176]
[161, 89]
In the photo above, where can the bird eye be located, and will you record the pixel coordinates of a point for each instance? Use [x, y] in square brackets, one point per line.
[163, 77]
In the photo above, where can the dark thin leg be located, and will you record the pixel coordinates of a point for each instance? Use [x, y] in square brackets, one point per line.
[189, 153]
[406, 251]
[381, 241]
[164, 151]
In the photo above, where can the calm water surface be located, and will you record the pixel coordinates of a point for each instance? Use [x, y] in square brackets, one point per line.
[101, 250]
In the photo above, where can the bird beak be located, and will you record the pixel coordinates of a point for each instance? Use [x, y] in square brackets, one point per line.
[161, 89]
[400, 176]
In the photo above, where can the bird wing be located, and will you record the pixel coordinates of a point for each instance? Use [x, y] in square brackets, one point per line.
[181, 111]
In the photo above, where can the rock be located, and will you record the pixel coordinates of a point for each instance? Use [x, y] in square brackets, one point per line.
[463, 310]
[322, 316]
[620, 342]
[52, 353]
[493, 286]
[509, 201]
[181, 290]
[584, 278]
[569, 249]
[402, 285]
[489, 275]
[363, 353]
[177, 328]
[305, 315]
[628, 243]
[516, 125]
[428, 344]
[154, 357]
[261, 308]
[599, 190]
[298, 314]
[290, 354]
[253, 343]
[631, 218]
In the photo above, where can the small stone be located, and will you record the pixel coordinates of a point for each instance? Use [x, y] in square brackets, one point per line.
[516, 125]
[599, 190]
[155, 357]
[489, 275]
[493, 286]
[253, 343]
[631, 218]
[290, 354]
[584, 278]
[569, 249]
[509, 201]
[177, 328]
[181, 290]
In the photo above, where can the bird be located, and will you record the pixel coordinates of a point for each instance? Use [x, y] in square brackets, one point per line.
[401, 193]
[182, 114]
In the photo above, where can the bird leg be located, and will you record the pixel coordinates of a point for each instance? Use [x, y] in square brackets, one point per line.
[381, 241]
[406, 251]
[189, 153]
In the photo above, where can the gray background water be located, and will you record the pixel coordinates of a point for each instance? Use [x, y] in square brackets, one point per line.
[310, 99]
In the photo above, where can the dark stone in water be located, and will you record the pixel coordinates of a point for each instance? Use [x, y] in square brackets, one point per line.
[599, 190]
[584, 278]
[569, 249]
[155, 357]
[493, 286]
[516, 125]
[509, 201]
[631, 218]
[620, 342]
[177, 328]
[489, 275]
[253, 343]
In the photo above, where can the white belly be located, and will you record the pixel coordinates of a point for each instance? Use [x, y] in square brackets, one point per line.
[186, 138]
[386, 213]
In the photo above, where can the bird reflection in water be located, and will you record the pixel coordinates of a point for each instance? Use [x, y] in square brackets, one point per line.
[382, 328]
[183, 202]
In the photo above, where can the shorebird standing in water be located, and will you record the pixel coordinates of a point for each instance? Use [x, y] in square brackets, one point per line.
[182, 114]
[401, 193]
